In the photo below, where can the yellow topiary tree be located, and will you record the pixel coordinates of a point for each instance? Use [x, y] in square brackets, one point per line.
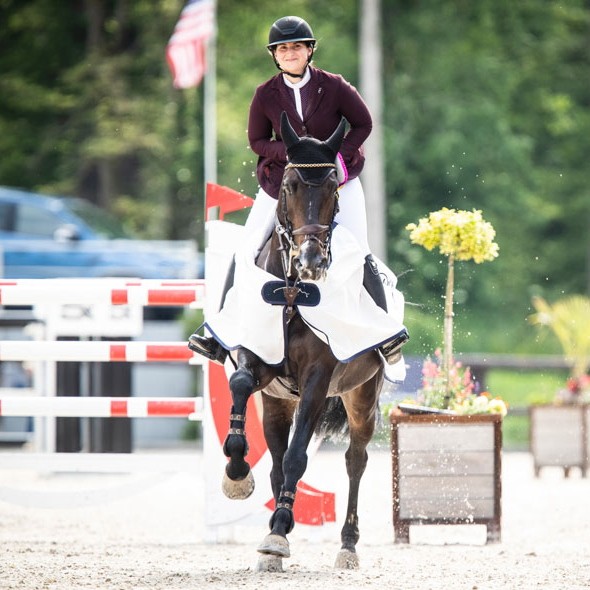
[459, 235]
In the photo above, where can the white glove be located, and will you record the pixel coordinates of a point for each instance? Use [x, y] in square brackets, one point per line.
[341, 171]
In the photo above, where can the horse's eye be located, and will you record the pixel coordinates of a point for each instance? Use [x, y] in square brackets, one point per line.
[290, 186]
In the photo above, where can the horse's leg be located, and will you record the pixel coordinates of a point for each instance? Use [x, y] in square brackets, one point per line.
[277, 420]
[238, 481]
[361, 407]
[311, 407]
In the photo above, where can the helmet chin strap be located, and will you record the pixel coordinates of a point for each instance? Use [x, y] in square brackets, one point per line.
[294, 75]
[289, 73]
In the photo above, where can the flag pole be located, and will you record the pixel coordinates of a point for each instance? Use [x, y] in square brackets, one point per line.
[210, 108]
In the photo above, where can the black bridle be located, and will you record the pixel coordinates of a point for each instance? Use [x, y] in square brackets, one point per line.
[312, 232]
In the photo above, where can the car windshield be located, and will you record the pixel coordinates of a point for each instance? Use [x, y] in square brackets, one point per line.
[98, 219]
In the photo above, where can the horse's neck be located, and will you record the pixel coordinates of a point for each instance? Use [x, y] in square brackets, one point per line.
[269, 258]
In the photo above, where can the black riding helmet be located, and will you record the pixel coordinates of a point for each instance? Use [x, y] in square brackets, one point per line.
[290, 29]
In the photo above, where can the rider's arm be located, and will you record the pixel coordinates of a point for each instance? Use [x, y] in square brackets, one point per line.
[260, 132]
[356, 112]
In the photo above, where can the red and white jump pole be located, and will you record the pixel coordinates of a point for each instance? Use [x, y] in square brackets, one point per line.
[102, 291]
[102, 407]
[97, 351]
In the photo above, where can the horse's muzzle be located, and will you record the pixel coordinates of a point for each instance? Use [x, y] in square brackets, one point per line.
[314, 274]
[311, 263]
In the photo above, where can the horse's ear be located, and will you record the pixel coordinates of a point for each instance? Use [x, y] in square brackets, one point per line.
[290, 138]
[335, 140]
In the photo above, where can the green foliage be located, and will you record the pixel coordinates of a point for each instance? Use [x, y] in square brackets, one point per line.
[86, 107]
[481, 114]
[515, 433]
[426, 331]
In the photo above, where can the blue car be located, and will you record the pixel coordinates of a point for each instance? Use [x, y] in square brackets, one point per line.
[62, 237]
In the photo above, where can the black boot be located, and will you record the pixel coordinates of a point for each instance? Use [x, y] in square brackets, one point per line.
[208, 346]
[374, 285]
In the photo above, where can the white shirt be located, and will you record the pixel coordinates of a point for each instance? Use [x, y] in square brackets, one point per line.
[296, 87]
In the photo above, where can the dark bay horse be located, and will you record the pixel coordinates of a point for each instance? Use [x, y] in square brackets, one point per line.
[299, 249]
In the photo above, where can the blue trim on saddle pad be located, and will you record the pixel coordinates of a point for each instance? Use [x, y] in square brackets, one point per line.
[273, 292]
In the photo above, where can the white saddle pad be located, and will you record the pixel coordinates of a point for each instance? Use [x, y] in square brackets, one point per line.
[347, 318]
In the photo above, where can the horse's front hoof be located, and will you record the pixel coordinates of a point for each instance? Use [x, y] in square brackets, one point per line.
[275, 545]
[347, 560]
[238, 489]
[269, 563]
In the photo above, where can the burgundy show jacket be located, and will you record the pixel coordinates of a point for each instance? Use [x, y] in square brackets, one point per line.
[330, 97]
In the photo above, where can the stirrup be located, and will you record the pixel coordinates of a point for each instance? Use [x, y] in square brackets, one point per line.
[208, 347]
[392, 350]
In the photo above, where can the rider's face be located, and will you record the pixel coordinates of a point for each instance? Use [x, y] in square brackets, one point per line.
[293, 57]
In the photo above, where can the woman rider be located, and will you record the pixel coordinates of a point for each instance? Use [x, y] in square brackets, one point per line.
[315, 102]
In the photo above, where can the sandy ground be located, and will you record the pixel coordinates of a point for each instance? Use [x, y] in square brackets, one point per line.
[145, 531]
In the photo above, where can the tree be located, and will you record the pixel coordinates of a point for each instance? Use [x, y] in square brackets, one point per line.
[469, 87]
[458, 235]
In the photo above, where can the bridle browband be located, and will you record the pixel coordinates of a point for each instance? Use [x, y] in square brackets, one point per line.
[313, 231]
[311, 165]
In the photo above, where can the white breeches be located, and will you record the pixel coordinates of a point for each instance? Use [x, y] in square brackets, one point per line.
[352, 214]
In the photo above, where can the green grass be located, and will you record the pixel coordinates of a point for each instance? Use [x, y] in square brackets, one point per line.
[523, 388]
[520, 389]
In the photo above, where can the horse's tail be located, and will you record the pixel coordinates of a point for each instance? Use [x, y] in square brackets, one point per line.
[334, 420]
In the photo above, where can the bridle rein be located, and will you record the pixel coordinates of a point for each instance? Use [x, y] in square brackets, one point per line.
[312, 232]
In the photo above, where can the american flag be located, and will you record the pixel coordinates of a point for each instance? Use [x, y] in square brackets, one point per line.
[185, 51]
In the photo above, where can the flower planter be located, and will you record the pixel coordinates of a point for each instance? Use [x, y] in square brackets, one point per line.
[446, 470]
[559, 437]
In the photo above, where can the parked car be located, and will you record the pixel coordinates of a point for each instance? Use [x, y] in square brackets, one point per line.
[61, 237]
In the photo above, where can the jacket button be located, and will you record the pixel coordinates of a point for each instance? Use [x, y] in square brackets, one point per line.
[304, 129]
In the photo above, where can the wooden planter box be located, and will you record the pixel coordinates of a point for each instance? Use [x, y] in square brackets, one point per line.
[559, 437]
[446, 470]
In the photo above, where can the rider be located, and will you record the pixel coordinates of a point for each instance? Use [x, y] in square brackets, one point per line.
[315, 101]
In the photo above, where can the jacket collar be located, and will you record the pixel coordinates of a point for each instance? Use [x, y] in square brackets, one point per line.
[315, 96]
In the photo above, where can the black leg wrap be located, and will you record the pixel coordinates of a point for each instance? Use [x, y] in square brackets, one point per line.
[284, 511]
[237, 424]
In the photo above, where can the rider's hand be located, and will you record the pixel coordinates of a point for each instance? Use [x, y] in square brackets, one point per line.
[341, 171]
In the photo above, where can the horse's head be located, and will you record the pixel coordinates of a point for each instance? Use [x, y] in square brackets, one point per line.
[308, 200]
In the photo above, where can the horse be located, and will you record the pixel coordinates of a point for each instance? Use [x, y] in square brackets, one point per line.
[297, 392]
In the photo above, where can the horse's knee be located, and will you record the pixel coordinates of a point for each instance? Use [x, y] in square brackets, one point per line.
[241, 384]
